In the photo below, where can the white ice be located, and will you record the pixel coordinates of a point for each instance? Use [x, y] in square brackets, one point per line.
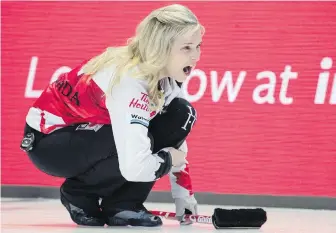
[49, 216]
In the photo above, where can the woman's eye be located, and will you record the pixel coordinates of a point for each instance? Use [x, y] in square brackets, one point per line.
[187, 48]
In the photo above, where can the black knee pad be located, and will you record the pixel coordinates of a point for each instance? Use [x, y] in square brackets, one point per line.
[183, 112]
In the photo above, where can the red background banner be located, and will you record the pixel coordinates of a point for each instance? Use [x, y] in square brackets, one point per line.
[267, 133]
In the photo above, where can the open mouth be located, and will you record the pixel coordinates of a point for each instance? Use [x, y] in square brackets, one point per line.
[187, 70]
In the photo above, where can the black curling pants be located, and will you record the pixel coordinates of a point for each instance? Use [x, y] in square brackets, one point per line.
[89, 162]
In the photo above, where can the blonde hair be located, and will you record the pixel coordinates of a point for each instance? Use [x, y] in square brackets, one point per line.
[148, 50]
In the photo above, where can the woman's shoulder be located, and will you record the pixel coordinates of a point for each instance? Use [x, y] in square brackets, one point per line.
[131, 77]
[127, 80]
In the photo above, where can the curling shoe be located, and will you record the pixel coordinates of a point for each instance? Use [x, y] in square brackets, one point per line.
[139, 217]
[80, 217]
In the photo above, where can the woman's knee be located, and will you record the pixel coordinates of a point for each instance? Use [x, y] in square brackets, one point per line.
[173, 125]
[186, 113]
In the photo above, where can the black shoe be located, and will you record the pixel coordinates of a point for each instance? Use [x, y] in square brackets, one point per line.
[79, 216]
[140, 217]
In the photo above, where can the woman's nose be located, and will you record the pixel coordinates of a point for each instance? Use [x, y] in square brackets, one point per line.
[195, 56]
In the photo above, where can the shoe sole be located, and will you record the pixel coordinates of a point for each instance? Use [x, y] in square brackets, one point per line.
[115, 221]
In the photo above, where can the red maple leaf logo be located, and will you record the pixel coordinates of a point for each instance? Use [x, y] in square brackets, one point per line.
[183, 179]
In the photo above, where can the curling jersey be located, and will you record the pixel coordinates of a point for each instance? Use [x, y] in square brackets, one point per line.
[78, 98]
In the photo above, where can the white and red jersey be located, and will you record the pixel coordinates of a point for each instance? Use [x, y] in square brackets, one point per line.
[78, 98]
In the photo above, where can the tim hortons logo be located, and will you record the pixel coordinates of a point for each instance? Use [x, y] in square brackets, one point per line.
[141, 103]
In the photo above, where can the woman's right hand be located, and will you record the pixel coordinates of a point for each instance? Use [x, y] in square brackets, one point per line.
[178, 157]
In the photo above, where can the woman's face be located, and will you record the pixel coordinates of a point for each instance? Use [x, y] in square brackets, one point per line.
[184, 55]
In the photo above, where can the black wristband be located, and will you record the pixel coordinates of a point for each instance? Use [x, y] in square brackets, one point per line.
[166, 166]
